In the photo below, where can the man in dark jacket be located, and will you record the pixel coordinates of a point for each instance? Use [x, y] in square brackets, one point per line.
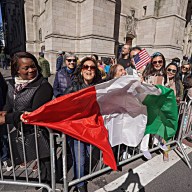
[64, 77]
[124, 60]
[59, 61]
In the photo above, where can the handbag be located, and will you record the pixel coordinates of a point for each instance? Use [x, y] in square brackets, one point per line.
[30, 145]
[16, 156]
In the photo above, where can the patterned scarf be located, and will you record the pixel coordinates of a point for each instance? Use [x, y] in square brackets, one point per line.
[21, 84]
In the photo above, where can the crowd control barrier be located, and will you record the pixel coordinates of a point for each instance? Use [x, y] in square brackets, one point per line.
[19, 143]
[60, 158]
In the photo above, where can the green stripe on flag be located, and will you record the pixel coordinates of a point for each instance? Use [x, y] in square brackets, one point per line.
[162, 113]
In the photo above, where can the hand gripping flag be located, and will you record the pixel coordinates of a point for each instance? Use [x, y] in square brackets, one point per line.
[120, 105]
[141, 59]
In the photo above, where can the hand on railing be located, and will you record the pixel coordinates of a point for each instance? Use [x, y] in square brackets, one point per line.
[21, 117]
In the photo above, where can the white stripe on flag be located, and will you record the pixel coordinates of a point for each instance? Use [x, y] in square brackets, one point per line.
[124, 115]
[144, 59]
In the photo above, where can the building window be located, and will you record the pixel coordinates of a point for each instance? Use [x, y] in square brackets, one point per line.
[40, 34]
[144, 10]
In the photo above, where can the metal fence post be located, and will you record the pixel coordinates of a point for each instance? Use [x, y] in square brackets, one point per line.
[64, 157]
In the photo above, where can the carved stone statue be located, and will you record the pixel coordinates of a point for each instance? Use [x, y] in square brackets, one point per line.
[131, 25]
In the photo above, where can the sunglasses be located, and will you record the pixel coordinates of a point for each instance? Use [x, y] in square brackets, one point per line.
[155, 62]
[87, 67]
[70, 60]
[171, 70]
[185, 68]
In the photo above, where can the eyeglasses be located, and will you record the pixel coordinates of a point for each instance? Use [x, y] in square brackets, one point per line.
[171, 70]
[185, 68]
[70, 60]
[87, 67]
[155, 62]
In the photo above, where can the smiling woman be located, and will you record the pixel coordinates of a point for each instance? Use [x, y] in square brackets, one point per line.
[27, 91]
[154, 72]
[172, 80]
[87, 74]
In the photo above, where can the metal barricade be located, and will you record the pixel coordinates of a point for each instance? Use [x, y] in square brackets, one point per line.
[176, 141]
[26, 177]
[95, 162]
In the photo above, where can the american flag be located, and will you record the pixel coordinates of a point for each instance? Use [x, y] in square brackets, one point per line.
[141, 59]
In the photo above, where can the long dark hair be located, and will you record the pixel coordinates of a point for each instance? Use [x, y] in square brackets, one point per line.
[151, 71]
[176, 79]
[79, 78]
[15, 62]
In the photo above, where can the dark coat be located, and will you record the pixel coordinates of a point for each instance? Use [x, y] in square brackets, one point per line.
[76, 86]
[29, 98]
[59, 62]
[3, 91]
[62, 80]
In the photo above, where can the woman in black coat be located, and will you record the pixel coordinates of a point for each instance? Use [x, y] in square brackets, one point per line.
[26, 92]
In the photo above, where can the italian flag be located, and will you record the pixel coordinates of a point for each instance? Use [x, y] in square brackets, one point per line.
[118, 111]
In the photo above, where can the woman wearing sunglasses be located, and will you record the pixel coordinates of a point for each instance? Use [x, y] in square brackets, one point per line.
[154, 74]
[173, 81]
[87, 74]
[65, 76]
[155, 71]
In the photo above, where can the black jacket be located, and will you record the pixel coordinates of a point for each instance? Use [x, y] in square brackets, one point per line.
[3, 91]
[29, 98]
[76, 86]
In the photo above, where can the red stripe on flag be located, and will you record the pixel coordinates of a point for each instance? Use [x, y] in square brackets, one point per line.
[78, 115]
[144, 59]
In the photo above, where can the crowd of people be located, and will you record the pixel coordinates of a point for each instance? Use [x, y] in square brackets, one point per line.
[29, 89]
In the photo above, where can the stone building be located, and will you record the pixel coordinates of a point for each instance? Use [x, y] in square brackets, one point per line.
[13, 25]
[102, 26]
[187, 41]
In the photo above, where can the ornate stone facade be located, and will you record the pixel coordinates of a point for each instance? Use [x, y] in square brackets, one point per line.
[100, 26]
[187, 41]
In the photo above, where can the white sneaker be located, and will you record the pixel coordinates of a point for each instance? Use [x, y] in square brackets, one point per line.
[126, 155]
[184, 146]
[147, 155]
[7, 164]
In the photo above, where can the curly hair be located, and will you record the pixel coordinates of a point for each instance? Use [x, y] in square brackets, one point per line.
[150, 70]
[15, 62]
[78, 76]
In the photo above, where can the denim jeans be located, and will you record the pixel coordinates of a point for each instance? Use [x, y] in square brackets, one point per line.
[84, 154]
[4, 143]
